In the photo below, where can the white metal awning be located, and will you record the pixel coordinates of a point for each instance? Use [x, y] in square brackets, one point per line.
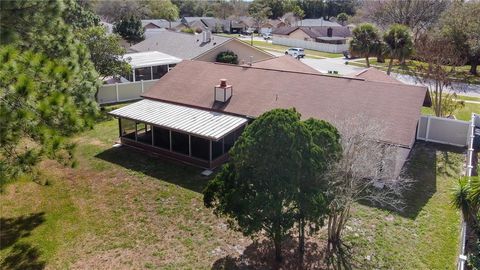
[202, 123]
[149, 59]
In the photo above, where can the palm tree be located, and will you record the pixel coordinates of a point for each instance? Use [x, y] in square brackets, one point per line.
[399, 43]
[364, 41]
[465, 197]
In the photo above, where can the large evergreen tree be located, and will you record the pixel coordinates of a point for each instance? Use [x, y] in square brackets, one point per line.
[130, 29]
[461, 23]
[47, 85]
[276, 177]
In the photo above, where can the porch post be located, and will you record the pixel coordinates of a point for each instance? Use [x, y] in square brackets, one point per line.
[189, 145]
[153, 138]
[223, 145]
[170, 135]
[119, 127]
[151, 73]
[133, 75]
[136, 130]
[210, 150]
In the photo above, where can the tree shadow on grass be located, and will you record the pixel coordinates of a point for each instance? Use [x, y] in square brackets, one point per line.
[261, 255]
[155, 166]
[13, 229]
[22, 255]
[425, 163]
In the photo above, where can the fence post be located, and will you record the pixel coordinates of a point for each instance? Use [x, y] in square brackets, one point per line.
[116, 91]
[428, 129]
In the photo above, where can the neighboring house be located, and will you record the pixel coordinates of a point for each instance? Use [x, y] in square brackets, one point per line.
[147, 67]
[160, 23]
[189, 116]
[212, 24]
[317, 22]
[204, 46]
[323, 38]
[321, 34]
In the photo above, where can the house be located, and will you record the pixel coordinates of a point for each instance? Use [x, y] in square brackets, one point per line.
[147, 68]
[150, 65]
[317, 22]
[204, 46]
[158, 24]
[193, 116]
[321, 38]
[320, 34]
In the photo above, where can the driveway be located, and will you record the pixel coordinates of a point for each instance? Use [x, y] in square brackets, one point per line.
[332, 64]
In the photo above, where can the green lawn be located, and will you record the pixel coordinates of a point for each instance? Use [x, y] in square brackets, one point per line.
[464, 113]
[125, 209]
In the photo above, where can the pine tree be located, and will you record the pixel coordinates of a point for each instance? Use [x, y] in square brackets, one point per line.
[47, 86]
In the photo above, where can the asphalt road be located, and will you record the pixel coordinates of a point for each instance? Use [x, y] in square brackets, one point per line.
[338, 64]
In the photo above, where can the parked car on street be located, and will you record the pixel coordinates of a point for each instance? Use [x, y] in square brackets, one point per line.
[296, 52]
[267, 36]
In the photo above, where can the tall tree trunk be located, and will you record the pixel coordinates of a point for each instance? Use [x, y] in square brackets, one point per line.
[368, 62]
[277, 241]
[390, 66]
[473, 67]
[301, 236]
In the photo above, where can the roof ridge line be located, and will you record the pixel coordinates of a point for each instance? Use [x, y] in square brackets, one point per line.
[290, 71]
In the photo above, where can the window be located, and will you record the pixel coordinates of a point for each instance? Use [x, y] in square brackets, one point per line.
[180, 143]
[217, 149]
[161, 138]
[200, 148]
[229, 141]
[329, 32]
[144, 133]
[143, 74]
[127, 128]
[159, 71]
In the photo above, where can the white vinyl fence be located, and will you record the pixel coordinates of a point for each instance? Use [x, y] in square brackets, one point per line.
[443, 130]
[463, 236]
[312, 45]
[121, 92]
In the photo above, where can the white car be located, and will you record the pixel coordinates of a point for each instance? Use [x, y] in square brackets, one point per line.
[295, 52]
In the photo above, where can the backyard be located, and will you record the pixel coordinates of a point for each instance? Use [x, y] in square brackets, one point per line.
[119, 208]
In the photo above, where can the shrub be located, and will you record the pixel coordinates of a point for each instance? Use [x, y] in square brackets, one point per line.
[227, 57]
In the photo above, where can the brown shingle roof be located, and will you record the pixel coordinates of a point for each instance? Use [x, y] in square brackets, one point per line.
[375, 75]
[315, 31]
[285, 62]
[257, 90]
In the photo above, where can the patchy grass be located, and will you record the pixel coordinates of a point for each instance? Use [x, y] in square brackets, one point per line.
[464, 113]
[120, 208]
[426, 234]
